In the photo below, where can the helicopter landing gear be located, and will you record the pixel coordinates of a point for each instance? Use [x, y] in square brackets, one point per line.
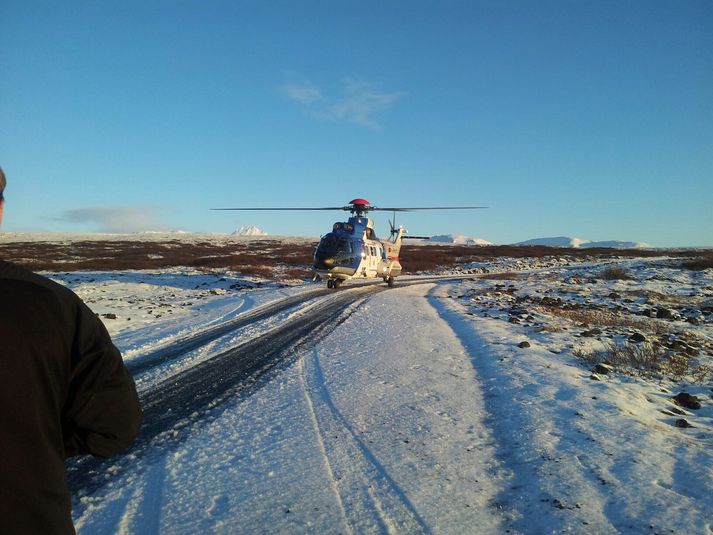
[390, 282]
[334, 283]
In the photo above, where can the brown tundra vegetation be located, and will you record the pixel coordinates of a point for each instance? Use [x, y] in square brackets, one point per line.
[273, 258]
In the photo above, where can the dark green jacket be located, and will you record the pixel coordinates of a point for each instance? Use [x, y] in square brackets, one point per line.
[64, 390]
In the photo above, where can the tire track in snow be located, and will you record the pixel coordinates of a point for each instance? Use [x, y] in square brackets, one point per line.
[143, 514]
[195, 340]
[198, 339]
[370, 500]
[172, 406]
[322, 447]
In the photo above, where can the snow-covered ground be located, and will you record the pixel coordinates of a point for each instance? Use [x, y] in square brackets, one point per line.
[424, 411]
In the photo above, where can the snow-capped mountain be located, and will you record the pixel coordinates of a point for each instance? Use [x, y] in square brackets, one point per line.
[459, 240]
[565, 241]
[250, 231]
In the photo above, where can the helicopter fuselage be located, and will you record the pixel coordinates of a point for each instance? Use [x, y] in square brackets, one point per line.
[352, 250]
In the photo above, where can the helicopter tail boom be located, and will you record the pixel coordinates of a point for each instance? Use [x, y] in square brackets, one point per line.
[393, 245]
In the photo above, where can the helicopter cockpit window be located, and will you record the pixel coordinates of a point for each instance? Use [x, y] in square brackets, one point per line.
[328, 243]
[345, 246]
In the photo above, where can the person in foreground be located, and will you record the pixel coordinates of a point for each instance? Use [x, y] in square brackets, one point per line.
[64, 390]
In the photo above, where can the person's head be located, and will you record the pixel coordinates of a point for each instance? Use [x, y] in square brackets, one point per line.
[2, 190]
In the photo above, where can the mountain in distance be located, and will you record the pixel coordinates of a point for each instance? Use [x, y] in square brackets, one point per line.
[617, 244]
[250, 231]
[565, 241]
[457, 239]
[558, 241]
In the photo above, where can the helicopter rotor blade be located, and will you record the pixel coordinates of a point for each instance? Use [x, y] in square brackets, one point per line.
[293, 209]
[413, 209]
[358, 208]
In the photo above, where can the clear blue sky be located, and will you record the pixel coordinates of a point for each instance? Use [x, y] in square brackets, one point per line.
[591, 119]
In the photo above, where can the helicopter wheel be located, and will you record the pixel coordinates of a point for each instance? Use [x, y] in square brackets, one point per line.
[330, 283]
[390, 282]
[337, 283]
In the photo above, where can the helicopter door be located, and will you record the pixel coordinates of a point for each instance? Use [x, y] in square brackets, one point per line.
[373, 261]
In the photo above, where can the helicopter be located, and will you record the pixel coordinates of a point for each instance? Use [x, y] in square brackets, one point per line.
[353, 251]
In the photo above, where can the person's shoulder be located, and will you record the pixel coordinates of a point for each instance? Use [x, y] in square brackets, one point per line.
[10, 272]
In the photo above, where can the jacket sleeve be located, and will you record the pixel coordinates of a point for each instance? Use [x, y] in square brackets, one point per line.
[102, 414]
